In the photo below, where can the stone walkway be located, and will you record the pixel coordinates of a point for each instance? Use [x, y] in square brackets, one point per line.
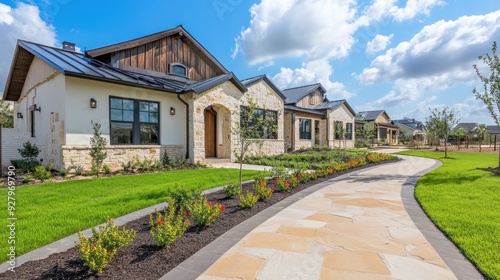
[355, 227]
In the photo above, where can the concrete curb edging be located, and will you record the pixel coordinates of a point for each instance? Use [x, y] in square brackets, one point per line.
[451, 255]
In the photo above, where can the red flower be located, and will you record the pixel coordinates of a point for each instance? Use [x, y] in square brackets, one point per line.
[185, 213]
[109, 252]
[209, 204]
[93, 247]
[159, 222]
[222, 207]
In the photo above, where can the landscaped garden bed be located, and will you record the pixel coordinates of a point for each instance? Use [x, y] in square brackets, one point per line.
[144, 259]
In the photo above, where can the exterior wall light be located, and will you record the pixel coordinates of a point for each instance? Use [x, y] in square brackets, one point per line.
[172, 111]
[19, 115]
[35, 108]
[93, 103]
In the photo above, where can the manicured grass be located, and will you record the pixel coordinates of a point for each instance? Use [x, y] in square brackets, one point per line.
[51, 211]
[464, 202]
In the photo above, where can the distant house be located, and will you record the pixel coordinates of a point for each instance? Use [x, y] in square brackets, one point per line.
[411, 129]
[494, 130]
[468, 127]
[387, 132]
[311, 119]
[159, 94]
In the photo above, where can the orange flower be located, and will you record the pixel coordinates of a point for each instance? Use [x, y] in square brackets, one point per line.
[185, 213]
[93, 248]
[222, 207]
[109, 252]
[160, 222]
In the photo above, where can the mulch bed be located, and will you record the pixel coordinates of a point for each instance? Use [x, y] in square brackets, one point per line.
[143, 259]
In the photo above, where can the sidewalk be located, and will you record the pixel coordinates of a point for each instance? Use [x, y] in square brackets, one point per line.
[355, 227]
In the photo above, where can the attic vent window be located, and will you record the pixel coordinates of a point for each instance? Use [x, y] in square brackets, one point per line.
[178, 69]
[68, 46]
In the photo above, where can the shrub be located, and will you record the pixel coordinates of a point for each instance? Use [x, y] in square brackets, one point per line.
[29, 151]
[78, 170]
[184, 198]
[166, 229]
[106, 169]
[41, 173]
[232, 190]
[26, 165]
[98, 250]
[203, 212]
[282, 185]
[248, 200]
[97, 153]
[63, 172]
[262, 191]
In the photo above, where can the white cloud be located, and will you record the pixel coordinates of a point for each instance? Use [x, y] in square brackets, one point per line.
[403, 92]
[379, 43]
[22, 22]
[318, 71]
[441, 53]
[413, 8]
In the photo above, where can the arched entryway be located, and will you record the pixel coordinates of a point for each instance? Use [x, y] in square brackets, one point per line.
[210, 132]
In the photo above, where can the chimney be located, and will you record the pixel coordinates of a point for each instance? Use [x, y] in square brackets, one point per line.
[68, 46]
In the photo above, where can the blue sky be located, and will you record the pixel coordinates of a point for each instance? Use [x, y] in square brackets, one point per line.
[401, 56]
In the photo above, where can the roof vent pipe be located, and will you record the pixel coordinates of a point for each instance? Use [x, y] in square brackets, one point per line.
[68, 46]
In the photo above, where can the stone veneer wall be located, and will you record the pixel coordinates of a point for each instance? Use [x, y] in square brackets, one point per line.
[116, 155]
[304, 143]
[52, 153]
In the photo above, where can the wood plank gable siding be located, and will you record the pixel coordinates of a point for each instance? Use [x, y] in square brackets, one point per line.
[311, 100]
[160, 54]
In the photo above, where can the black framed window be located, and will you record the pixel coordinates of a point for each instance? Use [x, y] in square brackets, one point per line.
[134, 121]
[32, 123]
[178, 69]
[304, 128]
[348, 131]
[269, 118]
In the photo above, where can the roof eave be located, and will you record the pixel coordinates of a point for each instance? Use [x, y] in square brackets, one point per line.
[270, 83]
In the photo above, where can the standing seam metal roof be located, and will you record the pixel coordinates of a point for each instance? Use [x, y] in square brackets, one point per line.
[294, 95]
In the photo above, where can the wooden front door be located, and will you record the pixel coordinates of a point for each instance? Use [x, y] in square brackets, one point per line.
[210, 132]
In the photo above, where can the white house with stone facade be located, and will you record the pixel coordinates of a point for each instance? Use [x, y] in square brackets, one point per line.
[311, 119]
[162, 93]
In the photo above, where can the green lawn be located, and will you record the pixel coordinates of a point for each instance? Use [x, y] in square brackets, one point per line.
[48, 212]
[464, 203]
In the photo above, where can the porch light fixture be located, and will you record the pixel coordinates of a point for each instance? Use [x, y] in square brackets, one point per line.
[172, 111]
[35, 108]
[19, 115]
[93, 103]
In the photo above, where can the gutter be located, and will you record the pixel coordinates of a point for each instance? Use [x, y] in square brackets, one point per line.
[187, 124]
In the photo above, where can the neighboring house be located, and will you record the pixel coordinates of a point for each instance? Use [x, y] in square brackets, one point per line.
[162, 93]
[494, 132]
[311, 119]
[468, 127]
[412, 129]
[387, 131]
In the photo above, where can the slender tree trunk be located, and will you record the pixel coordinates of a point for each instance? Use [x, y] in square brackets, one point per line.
[445, 150]
[241, 164]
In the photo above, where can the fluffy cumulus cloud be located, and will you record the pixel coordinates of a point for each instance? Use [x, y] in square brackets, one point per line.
[403, 92]
[21, 22]
[318, 71]
[379, 43]
[440, 54]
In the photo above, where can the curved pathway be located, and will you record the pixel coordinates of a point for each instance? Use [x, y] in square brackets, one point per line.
[353, 227]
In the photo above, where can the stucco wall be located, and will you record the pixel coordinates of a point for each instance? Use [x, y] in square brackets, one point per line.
[13, 139]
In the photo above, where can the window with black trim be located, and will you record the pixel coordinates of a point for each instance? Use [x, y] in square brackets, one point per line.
[304, 128]
[134, 121]
[339, 129]
[269, 118]
[178, 69]
[348, 131]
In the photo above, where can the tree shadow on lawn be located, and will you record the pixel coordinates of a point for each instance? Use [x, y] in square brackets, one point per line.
[495, 171]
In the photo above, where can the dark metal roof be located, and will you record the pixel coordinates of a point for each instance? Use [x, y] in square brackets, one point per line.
[75, 64]
[410, 123]
[332, 105]
[305, 110]
[153, 37]
[493, 129]
[370, 115]
[250, 81]
[294, 95]
[467, 126]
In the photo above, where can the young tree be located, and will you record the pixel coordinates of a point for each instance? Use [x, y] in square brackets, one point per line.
[97, 153]
[7, 114]
[251, 129]
[459, 133]
[370, 130]
[491, 94]
[481, 133]
[441, 123]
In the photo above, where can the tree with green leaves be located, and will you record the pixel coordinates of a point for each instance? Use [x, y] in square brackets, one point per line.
[441, 123]
[491, 85]
[97, 152]
[251, 129]
[459, 133]
[481, 133]
[7, 114]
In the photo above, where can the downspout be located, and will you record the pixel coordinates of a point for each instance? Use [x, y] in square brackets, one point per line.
[187, 124]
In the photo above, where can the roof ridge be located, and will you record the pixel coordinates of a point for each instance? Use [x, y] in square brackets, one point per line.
[302, 86]
[251, 78]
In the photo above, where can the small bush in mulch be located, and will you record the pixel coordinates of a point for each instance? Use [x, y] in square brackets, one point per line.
[144, 258]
